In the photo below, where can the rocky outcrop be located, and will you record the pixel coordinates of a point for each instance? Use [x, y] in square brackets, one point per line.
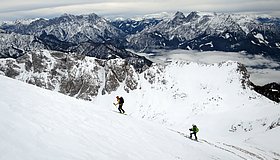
[71, 74]
[86, 77]
[271, 91]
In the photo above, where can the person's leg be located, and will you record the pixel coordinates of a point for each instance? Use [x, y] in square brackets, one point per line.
[191, 135]
[121, 108]
[123, 111]
[195, 136]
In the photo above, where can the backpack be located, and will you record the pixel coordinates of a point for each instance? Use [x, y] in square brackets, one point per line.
[196, 129]
[121, 100]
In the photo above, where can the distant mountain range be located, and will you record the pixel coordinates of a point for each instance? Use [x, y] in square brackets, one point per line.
[196, 31]
[88, 35]
[208, 32]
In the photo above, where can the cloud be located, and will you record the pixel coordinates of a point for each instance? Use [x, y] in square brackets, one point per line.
[14, 9]
[48, 9]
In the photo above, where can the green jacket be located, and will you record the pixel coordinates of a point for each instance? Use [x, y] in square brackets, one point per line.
[195, 129]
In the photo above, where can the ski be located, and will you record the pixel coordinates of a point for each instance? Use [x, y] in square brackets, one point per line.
[119, 112]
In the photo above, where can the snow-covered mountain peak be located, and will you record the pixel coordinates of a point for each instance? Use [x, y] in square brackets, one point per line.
[179, 14]
[159, 16]
[91, 16]
[177, 19]
[64, 15]
[192, 16]
[229, 73]
[18, 22]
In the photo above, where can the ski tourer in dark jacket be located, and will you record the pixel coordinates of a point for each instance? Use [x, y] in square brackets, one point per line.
[120, 102]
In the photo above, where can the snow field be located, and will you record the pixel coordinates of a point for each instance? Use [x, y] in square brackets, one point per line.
[233, 121]
[40, 124]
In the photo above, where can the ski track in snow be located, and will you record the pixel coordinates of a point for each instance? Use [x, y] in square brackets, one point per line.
[254, 153]
[244, 153]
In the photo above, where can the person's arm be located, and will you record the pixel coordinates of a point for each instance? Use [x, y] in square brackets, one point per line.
[116, 103]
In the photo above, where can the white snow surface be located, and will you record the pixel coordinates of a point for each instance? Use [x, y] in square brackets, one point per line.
[233, 120]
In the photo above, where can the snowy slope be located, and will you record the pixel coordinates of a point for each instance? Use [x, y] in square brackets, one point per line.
[235, 122]
[215, 97]
[40, 124]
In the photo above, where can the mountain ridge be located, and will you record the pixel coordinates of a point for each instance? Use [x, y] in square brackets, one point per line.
[86, 77]
[223, 31]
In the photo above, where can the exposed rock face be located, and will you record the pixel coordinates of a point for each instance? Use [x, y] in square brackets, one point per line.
[71, 74]
[245, 75]
[15, 45]
[271, 91]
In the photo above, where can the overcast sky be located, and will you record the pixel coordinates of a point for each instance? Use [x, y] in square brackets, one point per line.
[24, 9]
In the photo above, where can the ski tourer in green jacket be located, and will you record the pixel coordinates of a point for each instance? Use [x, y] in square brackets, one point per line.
[194, 131]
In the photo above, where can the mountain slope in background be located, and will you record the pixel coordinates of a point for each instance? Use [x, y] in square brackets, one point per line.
[87, 77]
[72, 74]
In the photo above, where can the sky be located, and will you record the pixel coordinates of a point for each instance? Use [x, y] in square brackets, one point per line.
[19, 9]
